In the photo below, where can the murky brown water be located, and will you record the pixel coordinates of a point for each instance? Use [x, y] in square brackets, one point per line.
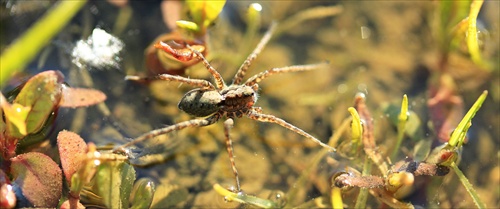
[382, 49]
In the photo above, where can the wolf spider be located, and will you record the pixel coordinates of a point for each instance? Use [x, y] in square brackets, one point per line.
[218, 100]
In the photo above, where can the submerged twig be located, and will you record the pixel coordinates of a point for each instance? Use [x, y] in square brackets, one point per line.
[368, 135]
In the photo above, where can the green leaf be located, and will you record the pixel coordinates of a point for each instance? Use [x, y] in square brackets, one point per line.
[244, 198]
[167, 196]
[114, 181]
[458, 135]
[188, 25]
[142, 194]
[472, 39]
[42, 93]
[16, 115]
[413, 124]
[204, 12]
[25, 48]
[402, 119]
[356, 127]
[39, 178]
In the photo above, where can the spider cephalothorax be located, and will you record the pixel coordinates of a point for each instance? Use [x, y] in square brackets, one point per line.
[218, 100]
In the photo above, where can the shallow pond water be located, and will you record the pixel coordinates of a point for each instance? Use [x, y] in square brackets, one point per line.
[382, 49]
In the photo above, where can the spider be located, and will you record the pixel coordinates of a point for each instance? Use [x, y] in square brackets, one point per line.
[218, 100]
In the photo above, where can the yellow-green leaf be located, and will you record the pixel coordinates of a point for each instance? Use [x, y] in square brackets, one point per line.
[356, 127]
[458, 135]
[114, 181]
[16, 115]
[188, 25]
[204, 12]
[142, 193]
[245, 199]
[42, 93]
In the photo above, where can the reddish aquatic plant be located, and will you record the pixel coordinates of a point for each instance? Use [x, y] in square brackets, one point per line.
[31, 114]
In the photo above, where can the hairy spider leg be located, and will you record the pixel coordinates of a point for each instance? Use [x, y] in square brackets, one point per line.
[244, 67]
[228, 125]
[295, 68]
[219, 82]
[253, 114]
[167, 77]
[177, 54]
[176, 127]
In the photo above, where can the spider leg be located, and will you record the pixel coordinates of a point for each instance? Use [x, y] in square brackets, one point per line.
[181, 55]
[244, 67]
[273, 119]
[295, 68]
[219, 82]
[168, 77]
[228, 124]
[176, 127]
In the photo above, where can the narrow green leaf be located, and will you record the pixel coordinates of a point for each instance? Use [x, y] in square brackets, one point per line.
[472, 39]
[458, 135]
[245, 199]
[402, 119]
[356, 127]
[25, 48]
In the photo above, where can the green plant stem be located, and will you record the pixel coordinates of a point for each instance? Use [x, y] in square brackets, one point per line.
[363, 192]
[337, 198]
[26, 47]
[468, 186]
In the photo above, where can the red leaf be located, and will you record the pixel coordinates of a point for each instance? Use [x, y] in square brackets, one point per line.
[79, 97]
[39, 178]
[72, 149]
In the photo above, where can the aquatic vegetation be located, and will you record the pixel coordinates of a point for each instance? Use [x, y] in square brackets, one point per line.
[403, 173]
[191, 32]
[221, 101]
[20, 53]
[25, 122]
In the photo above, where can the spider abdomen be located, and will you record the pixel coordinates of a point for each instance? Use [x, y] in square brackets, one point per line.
[200, 103]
